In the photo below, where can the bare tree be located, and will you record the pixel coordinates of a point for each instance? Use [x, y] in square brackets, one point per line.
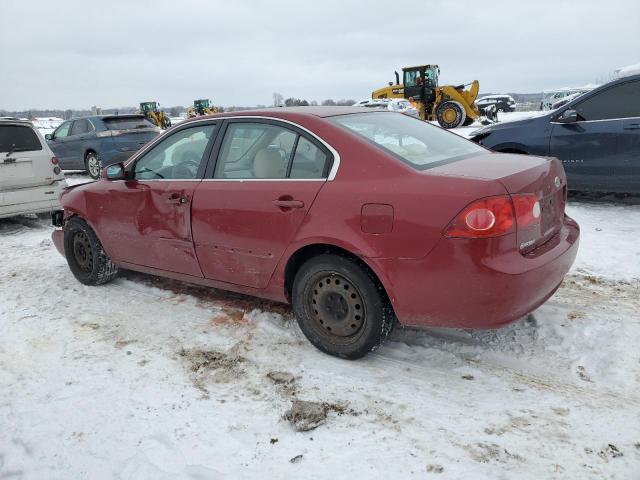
[278, 99]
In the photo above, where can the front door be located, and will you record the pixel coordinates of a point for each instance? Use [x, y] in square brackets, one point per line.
[60, 147]
[597, 150]
[146, 219]
[76, 141]
[266, 179]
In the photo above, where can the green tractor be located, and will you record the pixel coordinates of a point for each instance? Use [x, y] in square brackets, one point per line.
[152, 112]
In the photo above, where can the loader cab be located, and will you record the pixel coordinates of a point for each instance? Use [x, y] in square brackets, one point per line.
[147, 107]
[420, 83]
[201, 105]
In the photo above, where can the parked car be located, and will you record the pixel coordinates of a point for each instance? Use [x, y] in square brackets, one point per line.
[30, 178]
[91, 143]
[357, 218]
[596, 136]
[503, 103]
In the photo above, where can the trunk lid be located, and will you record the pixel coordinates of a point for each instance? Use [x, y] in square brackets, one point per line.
[521, 174]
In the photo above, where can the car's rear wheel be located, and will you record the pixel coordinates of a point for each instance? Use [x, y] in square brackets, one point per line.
[340, 307]
[92, 164]
[86, 257]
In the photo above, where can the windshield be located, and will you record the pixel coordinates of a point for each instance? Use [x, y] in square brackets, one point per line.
[417, 143]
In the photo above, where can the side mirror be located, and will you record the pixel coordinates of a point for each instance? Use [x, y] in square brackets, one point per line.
[48, 136]
[568, 116]
[115, 172]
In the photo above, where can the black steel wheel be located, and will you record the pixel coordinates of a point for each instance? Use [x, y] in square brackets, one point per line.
[86, 258]
[340, 307]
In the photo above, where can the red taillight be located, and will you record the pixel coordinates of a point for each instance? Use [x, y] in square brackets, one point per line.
[55, 160]
[488, 217]
[527, 208]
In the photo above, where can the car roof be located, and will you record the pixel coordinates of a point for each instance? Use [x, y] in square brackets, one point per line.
[288, 113]
[15, 121]
[108, 117]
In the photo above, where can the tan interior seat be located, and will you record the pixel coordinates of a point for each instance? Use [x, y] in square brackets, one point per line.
[268, 163]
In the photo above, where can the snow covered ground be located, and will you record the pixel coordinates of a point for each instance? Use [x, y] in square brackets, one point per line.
[147, 378]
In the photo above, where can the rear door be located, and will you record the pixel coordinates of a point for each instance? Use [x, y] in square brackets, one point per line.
[265, 180]
[146, 220]
[23, 160]
[598, 151]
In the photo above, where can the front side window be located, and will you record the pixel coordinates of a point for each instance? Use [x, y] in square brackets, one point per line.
[62, 131]
[180, 156]
[620, 101]
[18, 138]
[417, 143]
[411, 78]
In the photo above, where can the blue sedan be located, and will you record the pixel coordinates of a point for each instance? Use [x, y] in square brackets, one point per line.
[91, 143]
[596, 136]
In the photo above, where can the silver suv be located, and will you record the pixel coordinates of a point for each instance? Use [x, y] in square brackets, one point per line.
[30, 178]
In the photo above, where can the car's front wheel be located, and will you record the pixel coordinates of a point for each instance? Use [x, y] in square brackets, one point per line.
[92, 164]
[450, 114]
[340, 307]
[86, 258]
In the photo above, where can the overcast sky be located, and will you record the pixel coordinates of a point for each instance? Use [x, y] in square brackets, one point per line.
[110, 53]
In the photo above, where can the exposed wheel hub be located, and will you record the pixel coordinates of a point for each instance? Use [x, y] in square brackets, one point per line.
[337, 306]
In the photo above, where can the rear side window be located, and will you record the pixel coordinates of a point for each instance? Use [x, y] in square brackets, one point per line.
[416, 143]
[18, 138]
[309, 161]
[267, 151]
[621, 101]
[127, 123]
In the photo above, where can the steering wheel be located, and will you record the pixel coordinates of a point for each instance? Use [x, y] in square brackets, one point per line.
[187, 169]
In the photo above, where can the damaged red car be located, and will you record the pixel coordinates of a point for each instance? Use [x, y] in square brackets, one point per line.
[359, 219]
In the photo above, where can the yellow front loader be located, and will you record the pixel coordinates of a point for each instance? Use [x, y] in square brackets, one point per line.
[452, 106]
[201, 107]
[151, 110]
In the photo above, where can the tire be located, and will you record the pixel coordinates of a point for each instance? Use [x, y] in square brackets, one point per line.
[501, 110]
[468, 121]
[340, 308]
[86, 257]
[92, 165]
[450, 114]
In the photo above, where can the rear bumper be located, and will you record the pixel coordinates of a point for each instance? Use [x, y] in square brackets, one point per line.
[40, 199]
[473, 283]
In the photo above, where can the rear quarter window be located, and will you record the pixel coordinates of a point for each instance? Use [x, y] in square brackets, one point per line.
[18, 138]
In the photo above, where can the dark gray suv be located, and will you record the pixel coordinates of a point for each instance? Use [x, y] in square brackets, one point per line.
[596, 136]
[91, 143]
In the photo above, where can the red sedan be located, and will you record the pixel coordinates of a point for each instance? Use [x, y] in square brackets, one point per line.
[358, 218]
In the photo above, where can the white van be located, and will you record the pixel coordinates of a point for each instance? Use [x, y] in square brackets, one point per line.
[30, 178]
